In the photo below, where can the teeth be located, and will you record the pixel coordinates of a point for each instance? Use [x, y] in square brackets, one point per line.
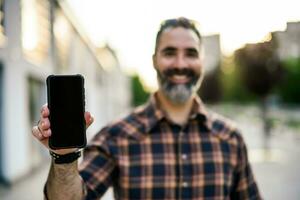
[180, 77]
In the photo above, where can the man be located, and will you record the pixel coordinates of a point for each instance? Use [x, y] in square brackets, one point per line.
[170, 148]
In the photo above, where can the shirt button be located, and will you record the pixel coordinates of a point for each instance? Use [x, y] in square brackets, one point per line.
[184, 156]
[185, 184]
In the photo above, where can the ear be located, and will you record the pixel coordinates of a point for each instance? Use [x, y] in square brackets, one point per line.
[154, 62]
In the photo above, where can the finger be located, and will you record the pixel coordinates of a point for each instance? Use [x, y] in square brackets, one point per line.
[46, 133]
[44, 124]
[88, 119]
[45, 111]
[37, 133]
[43, 127]
[91, 120]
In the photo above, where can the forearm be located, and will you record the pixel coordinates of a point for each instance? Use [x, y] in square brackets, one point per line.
[64, 182]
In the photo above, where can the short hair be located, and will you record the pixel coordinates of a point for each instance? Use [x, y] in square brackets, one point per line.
[174, 23]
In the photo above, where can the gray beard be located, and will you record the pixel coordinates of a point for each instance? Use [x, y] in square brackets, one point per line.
[177, 93]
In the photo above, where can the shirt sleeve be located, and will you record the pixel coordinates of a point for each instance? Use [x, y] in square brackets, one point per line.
[97, 168]
[244, 185]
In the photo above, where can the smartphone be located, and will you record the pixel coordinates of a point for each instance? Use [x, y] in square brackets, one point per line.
[66, 103]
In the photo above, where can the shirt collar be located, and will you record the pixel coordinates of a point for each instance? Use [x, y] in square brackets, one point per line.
[155, 114]
[200, 112]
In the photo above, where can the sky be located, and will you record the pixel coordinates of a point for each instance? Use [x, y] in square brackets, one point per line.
[130, 26]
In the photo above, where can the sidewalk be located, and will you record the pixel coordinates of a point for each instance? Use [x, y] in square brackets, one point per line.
[28, 188]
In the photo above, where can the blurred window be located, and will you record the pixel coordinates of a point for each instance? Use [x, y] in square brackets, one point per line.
[63, 32]
[35, 29]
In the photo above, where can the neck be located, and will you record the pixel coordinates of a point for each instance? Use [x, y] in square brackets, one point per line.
[178, 113]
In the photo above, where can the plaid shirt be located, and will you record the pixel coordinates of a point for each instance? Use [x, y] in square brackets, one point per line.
[146, 156]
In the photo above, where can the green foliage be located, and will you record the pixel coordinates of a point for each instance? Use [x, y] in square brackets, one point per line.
[289, 89]
[211, 88]
[233, 90]
[293, 123]
[260, 68]
[139, 94]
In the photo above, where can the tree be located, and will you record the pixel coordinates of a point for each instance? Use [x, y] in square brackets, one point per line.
[260, 67]
[290, 86]
[211, 90]
[232, 89]
[139, 95]
[260, 70]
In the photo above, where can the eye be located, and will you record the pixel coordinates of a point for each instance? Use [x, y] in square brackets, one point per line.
[169, 53]
[192, 54]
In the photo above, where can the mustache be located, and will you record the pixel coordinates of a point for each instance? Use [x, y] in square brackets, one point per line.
[176, 71]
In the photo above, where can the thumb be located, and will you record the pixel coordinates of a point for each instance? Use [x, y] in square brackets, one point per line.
[88, 119]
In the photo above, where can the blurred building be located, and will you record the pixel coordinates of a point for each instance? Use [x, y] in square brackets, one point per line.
[38, 38]
[288, 41]
[212, 52]
[211, 88]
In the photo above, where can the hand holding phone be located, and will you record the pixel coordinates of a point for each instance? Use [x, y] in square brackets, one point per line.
[42, 130]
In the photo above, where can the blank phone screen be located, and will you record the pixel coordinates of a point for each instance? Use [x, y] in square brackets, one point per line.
[66, 105]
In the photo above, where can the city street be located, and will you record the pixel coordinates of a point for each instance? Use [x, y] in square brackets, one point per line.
[276, 169]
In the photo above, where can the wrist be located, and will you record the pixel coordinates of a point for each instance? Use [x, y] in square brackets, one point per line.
[65, 158]
[64, 151]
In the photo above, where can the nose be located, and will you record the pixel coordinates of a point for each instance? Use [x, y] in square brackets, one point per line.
[180, 62]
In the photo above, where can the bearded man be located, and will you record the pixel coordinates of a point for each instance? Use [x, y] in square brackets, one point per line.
[170, 148]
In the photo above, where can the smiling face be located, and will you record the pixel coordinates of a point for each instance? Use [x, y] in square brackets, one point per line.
[178, 64]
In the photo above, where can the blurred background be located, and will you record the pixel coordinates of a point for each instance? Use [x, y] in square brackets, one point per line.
[252, 63]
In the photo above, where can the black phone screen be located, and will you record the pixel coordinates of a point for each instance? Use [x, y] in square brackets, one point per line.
[66, 106]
